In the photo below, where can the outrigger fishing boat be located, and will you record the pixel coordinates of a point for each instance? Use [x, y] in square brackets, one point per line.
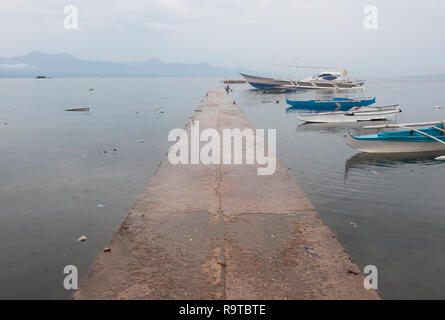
[334, 104]
[411, 140]
[354, 114]
[324, 80]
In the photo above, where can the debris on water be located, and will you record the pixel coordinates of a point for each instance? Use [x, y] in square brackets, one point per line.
[100, 205]
[308, 250]
[278, 101]
[439, 107]
[78, 109]
[375, 172]
[107, 249]
[139, 141]
[159, 112]
[82, 238]
[353, 224]
[114, 149]
[266, 101]
[91, 89]
[442, 158]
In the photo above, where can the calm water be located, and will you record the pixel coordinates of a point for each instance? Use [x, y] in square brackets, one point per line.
[67, 174]
[386, 211]
[56, 167]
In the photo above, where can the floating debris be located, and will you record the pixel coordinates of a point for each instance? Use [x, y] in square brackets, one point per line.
[78, 109]
[308, 250]
[439, 107]
[91, 89]
[159, 112]
[82, 238]
[139, 141]
[101, 206]
[353, 224]
[107, 249]
[266, 101]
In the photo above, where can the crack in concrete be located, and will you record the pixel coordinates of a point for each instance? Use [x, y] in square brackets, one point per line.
[221, 235]
[221, 231]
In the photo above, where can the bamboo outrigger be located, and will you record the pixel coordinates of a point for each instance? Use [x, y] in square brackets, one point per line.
[411, 140]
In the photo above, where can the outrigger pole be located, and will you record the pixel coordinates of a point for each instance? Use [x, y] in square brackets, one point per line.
[409, 127]
[401, 125]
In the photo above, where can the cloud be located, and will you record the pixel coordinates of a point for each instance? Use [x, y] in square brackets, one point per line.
[251, 33]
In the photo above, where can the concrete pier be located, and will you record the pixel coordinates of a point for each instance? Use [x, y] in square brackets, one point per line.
[223, 232]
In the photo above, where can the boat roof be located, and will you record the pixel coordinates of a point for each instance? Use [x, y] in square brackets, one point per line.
[333, 73]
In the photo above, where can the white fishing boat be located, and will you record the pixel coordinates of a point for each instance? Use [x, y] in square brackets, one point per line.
[324, 80]
[352, 115]
[410, 140]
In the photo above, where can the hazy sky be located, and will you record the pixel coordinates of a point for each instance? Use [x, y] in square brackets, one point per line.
[256, 34]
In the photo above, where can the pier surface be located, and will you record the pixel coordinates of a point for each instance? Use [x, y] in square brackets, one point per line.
[223, 232]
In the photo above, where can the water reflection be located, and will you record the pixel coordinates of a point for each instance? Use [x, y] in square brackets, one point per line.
[365, 161]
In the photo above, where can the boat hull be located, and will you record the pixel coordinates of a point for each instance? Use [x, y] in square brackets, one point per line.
[369, 114]
[326, 85]
[330, 105]
[263, 83]
[341, 117]
[392, 146]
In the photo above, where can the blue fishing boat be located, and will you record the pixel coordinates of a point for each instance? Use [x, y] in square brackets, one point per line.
[410, 140]
[334, 104]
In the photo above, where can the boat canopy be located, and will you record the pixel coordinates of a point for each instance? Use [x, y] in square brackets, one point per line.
[327, 75]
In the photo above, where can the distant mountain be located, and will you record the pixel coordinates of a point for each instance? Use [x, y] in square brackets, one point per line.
[64, 65]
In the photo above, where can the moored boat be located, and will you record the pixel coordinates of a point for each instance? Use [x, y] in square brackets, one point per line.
[234, 81]
[327, 80]
[322, 81]
[334, 104]
[410, 140]
[352, 115]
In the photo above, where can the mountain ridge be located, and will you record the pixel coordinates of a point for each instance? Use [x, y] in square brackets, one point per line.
[37, 63]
